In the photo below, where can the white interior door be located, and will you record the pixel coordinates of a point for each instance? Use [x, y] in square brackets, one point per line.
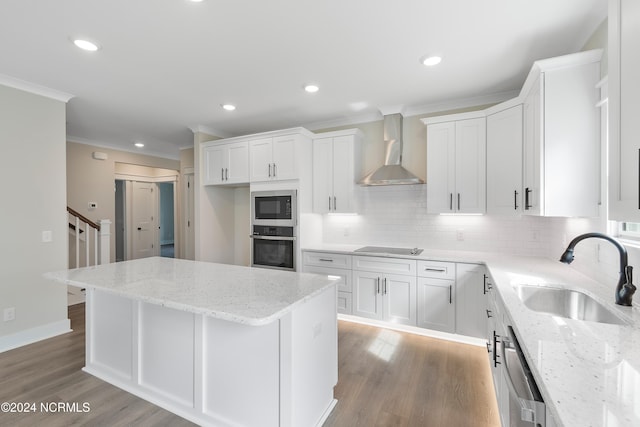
[144, 233]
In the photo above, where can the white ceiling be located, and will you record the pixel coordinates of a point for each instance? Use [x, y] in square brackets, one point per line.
[165, 66]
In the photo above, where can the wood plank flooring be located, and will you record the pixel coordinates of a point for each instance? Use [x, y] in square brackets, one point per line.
[386, 378]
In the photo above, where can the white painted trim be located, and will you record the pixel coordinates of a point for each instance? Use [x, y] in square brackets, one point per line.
[461, 103]
[35, 88]
[144, 178]
[188, 170]
[454, 117]
[210, 131]
[479, 342]
[350, 121]
[345, 132]
[33, 335]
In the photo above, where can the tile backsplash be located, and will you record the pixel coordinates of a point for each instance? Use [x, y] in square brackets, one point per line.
[397, 216]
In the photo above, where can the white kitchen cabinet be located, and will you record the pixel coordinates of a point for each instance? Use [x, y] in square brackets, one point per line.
[436, 296]
[504, 161]
[471, 300]
[336, 168]
[226, 163]
[561, 165]
[273, 158]
[624, 110]
[338, 265]
[456, 164]
[380, 293]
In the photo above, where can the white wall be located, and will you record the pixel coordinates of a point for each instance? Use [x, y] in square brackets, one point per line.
[32, 167]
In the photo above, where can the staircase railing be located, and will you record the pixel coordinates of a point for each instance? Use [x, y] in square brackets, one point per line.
[93, 235]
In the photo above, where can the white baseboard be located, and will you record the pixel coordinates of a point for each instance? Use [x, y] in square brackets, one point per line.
[415, 330]
[36, 334]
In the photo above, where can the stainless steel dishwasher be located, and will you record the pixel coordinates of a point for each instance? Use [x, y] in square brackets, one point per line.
[526, 407]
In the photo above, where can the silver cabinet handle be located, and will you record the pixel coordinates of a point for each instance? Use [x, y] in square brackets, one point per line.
[325, 260]
[221, 174]
[269, 170]
[458, 201]
[385, 285]
[439, 270]
[335, 205]
[450, 201]
[489, 316]
[378, 285]
[527, 205]
[274, 170]
[515, 199]
[450, 290]
[329, 202]
[226, 174]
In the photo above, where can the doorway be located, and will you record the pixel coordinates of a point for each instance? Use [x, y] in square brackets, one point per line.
[166, 206]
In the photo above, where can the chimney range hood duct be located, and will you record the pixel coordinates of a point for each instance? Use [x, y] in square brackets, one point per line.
[392, 172]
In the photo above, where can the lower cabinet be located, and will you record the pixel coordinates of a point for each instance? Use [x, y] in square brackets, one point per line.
[338, 265]
[389, 297]
[436, 305]
[471, 301]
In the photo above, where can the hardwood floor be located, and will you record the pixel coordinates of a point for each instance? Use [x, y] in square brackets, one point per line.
[386, 378]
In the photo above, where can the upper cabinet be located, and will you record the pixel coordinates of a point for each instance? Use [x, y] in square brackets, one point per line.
[504, 161]
[624, 110]
[456, 150]
[273, 158]
[561, 152]
[263, 157]
[336, 168]
[226, 163]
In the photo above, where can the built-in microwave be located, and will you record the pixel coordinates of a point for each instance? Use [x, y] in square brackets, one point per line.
[274, 208]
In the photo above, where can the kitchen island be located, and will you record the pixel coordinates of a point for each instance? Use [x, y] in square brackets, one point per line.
[216, 344]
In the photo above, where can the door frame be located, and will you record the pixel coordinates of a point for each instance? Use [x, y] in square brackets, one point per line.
[129, 179]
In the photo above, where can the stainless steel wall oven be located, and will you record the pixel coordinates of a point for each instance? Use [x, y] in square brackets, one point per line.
[274, 247]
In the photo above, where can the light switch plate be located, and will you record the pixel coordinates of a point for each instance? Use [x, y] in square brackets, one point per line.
[47, 236]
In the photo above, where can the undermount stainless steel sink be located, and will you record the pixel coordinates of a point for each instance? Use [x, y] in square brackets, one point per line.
[566, 303]
[387, 250]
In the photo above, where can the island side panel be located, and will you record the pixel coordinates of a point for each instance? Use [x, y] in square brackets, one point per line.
[166, 352]
[109, 335]
[241, 372]
[309, 361]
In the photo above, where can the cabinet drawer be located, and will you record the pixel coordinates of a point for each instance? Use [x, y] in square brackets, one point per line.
[324, 259]
[345, 275]
[437, 269]
[385, 265]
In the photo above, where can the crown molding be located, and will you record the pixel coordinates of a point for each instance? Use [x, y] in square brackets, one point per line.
[210, 131]
[34, 88]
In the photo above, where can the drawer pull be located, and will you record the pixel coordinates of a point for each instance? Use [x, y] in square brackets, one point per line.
[439, 270]
[326, 260]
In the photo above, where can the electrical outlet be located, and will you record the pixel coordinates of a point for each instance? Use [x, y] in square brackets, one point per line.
[9, 314]
[93, 205]
[460, 234]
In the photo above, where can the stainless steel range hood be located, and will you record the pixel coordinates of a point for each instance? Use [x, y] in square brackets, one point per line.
[392, 172]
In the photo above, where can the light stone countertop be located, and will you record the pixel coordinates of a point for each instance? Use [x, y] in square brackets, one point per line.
[588, 373]
[251, 296]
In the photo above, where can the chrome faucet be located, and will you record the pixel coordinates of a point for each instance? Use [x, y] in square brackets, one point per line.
[625, 287]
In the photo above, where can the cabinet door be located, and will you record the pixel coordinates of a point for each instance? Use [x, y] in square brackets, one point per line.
[435, 305]
[471, 300]
[284, 158]
[624, 110]
[322, 175]
[343, 174]
[367, 295]
[470, 166]
[238, 163]
[504, 162]
[532, 156]
[399, 299]
[261, 159]
[214, 164]
[440, 167]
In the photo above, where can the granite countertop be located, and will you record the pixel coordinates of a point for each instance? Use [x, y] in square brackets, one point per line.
[588, 372]
[238, 294]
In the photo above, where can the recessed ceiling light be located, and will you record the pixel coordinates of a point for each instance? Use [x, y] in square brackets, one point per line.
[430, 61]
[139, 144]
[229, 107]
[311, 88]
[86, 45]
[195, 1]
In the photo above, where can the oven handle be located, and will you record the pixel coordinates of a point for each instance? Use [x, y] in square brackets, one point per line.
[271, 237]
